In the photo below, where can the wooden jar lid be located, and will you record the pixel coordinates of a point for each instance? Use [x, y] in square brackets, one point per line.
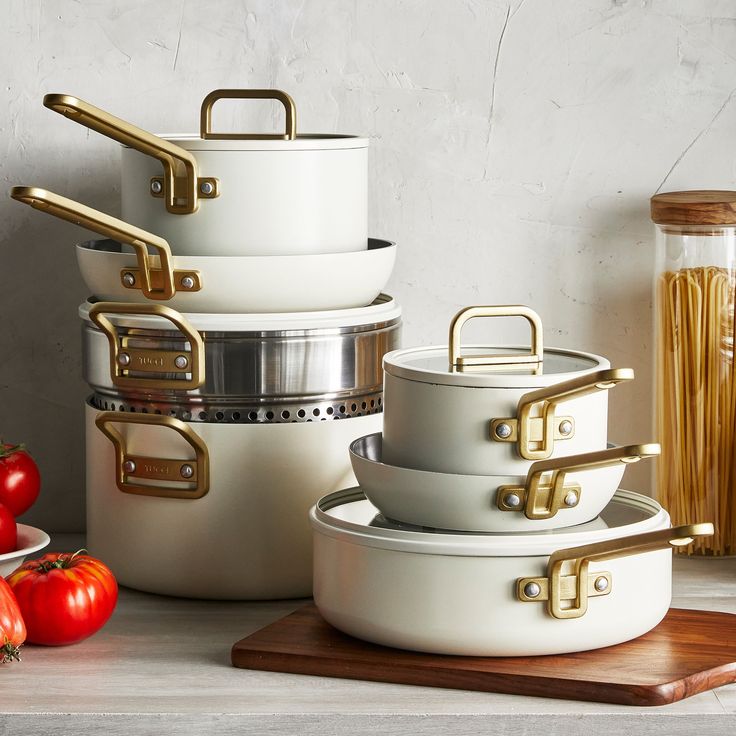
[697, 207]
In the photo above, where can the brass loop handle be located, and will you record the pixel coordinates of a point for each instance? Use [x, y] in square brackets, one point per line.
[108, 227]
[577, 586]
[537, 442]
[195, 473]
[205, 115]
[538, 500]
[126, 360]
[180, 166]
[460, 361]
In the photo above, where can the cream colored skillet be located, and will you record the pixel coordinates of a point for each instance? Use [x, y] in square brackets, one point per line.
[122, 269]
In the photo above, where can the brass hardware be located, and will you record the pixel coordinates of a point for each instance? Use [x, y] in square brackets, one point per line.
[126, 360]
[540, 500]
[461, 362]
[194, 473]
[558, 588]
[155, 283]
[205, 116]
[184, 281]
[180, 166]
[208, 187]
[526, 431]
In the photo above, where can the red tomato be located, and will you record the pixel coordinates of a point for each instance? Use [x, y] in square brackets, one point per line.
[12, 628]
[8, 531]
[64, 598]
[20, 481]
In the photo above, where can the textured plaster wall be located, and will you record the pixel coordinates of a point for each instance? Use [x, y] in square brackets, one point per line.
[514, 147]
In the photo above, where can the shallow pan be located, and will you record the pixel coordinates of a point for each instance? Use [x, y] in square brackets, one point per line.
[555, 493]
[495, 594]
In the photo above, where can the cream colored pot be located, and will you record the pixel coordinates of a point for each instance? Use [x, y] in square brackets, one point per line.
[224, 194]
[489, 410]
[560, 492]
[211, 510]
[494, 595]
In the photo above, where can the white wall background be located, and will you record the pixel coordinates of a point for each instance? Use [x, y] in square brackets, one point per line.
[514, 146]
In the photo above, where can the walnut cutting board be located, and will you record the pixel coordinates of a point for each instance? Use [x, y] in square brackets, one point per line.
[689, 652]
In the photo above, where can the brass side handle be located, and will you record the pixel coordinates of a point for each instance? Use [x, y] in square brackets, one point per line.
[126, 360]
[460, 361]
[205, 115]
[535, 436]
[156, 283]
[540, 499]
[181, 184]
[568, 580]
[189, 477]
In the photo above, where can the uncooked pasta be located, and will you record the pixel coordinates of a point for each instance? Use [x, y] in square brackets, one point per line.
[696, 384]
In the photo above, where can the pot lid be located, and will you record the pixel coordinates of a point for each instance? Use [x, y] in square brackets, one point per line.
[302, 142]
[350, 516]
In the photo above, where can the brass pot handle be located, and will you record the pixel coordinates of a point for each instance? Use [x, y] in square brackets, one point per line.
[535, 436]
[577, 585]
[194, 473]
[537, 500]
[181, 184]
[126, 360]
[205, 116]
[461, 362]
[110, 227]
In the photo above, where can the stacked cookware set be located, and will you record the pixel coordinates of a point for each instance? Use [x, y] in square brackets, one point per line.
[236, 317]
[239, 317]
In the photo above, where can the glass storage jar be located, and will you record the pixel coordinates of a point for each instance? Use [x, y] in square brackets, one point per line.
[695, 370]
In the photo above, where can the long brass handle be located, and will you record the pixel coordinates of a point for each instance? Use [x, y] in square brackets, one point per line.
[538, 500]
[577, 586]
[109, 227]
[180, 166]
[460, 361]
[535, 436]
[205, 116]
[126, 360]
[194, 473]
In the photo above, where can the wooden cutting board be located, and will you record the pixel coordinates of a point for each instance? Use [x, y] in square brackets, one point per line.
[688, 653]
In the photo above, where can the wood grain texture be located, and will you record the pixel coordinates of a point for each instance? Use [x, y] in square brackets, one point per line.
[697, 207]
[688, 653]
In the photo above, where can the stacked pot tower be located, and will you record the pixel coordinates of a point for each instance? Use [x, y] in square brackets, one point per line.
[233, 346]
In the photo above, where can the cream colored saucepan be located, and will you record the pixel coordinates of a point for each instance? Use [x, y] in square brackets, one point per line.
[122, 269]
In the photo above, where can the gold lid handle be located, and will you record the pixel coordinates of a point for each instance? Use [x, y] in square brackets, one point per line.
[538, 500]
[461, 362]
[180, 166]
[109, 227]
[127, 363]
[205, 116]
[576, 586]
[186, 478]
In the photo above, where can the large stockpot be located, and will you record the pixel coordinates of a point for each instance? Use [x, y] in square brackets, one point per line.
[485, 410]
[126, 271]
[232, 194]
[238, 368]
[211, 510]
[560, 492]
[494, 595]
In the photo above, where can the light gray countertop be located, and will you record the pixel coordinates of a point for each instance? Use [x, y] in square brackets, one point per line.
[162, 665]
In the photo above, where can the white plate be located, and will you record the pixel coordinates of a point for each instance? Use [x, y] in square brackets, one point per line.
[30, 540]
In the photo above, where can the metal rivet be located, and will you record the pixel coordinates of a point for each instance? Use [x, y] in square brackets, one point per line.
[571, 499]
[124, 359]
[128, 279]
[503, 431]
[206, 187]
[512, 500]
[601, 584]
[565, 427]
[532, 590]
[187, 282]
[187, 471]
[129, 466]
[180, 361]
[156, 186]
